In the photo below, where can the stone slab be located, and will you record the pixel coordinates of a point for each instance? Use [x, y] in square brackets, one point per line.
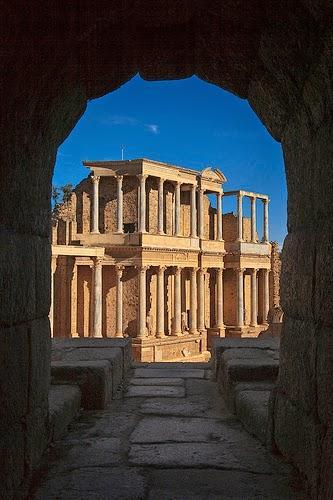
[155, 391]
[124, 344]
[114, 356]
[193, 406]
[168, 373]
[157, 381]
[94, 483]
[64, 405]
[241, 456]
[196, 484]
[252, 410]
[185, 430]
[94, 379]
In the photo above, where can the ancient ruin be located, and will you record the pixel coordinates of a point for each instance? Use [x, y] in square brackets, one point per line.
[58, 56]
[139, 251]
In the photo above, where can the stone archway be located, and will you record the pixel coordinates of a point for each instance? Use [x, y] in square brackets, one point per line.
[57, 57]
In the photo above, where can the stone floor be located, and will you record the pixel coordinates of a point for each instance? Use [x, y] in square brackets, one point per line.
[169, 436]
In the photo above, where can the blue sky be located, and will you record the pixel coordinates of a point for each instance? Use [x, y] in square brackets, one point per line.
[188, 123]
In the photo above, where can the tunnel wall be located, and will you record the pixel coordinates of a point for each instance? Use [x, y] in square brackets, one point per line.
[279, 56]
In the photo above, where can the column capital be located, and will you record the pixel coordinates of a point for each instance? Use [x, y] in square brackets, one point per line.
[240, 195]
[161, 269]
[239, 269]
[98, 261]
[142, 269]
[119, 177]
[220, 269]
[194, 269]
[254, 270]
[119, 269]
[161, 180]
[202, 270]
[142, 177]
[177, 270]
[95, 179]
[265, 200]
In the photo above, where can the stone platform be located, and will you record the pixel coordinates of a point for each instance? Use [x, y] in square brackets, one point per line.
[170, 348]
[171, 436]
[246, 372]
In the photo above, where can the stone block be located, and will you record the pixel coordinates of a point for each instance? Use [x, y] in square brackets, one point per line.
[113, 355]
[64, 405]
[324, 382]
[152, 391]
[158, 381]
[168, 373]
[252, 410]
[196, 484]
[94, 379]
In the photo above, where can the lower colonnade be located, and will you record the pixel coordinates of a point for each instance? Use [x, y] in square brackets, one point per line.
[188, 300]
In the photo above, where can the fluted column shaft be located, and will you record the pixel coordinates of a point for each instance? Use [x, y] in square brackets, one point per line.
[177, 303]
[240, 217]
[253, 220]
[97, 297]
[265, 294]
[254, 304]
[193, 301]
[120, 225]
[240, 297]
[119, 301]
[177, 209]
[219, 216]
[142, 324]
[266, 237]
[193, 212]
[219, 298]
[160, 206]
[51, 313]
[95, 209]
[200, 212]
[201, 299]
[142, 203]
[160, 302]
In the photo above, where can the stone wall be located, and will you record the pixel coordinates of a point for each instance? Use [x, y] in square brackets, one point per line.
[274, 276]
[54, 61]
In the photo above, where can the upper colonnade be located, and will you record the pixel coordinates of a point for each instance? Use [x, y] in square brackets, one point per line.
[197, 183]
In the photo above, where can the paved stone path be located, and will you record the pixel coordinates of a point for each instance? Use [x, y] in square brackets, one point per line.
[168, 437]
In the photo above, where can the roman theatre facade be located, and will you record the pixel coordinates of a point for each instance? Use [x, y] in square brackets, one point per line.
[140, 251]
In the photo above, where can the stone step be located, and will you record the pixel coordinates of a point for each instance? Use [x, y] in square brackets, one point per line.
[64, 406]
[252, 411]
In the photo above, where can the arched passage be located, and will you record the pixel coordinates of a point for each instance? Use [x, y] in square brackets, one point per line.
[279, 57]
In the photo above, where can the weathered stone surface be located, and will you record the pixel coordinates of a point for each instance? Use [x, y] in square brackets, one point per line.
[185, 430]
[194, 484]
[216, 455]
[83, 59]
[96, 483]
[156, 391]
[252, 410]
[64, 405]
[158, 381]
[168, 373]
[93, 377]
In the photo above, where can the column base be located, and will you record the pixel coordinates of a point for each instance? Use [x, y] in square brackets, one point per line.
[160, 335]
[95, 232]
[176, 334]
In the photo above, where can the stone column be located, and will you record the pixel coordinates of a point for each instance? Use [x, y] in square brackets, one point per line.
[193, 212]
[219, 216]
[240, 217]
[160, 206]
[240, 297]
[201, 300]
[119, 301]
[193, 301]
[265, 202]
[177, 323]
[177, 209]
[51, 313]
[95, 209]
[142, 324]
[253, 220]
[200, 212]
[265, 295]
[73, 301]
[120, 225]
[97, 325]
[219, 298]
[254, 305]
[160, 302]
[142, 203]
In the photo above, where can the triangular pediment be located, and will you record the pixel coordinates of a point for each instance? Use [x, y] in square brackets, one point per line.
[213, 174]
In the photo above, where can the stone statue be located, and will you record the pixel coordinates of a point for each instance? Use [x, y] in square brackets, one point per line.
[149, 324]
[184, 322]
